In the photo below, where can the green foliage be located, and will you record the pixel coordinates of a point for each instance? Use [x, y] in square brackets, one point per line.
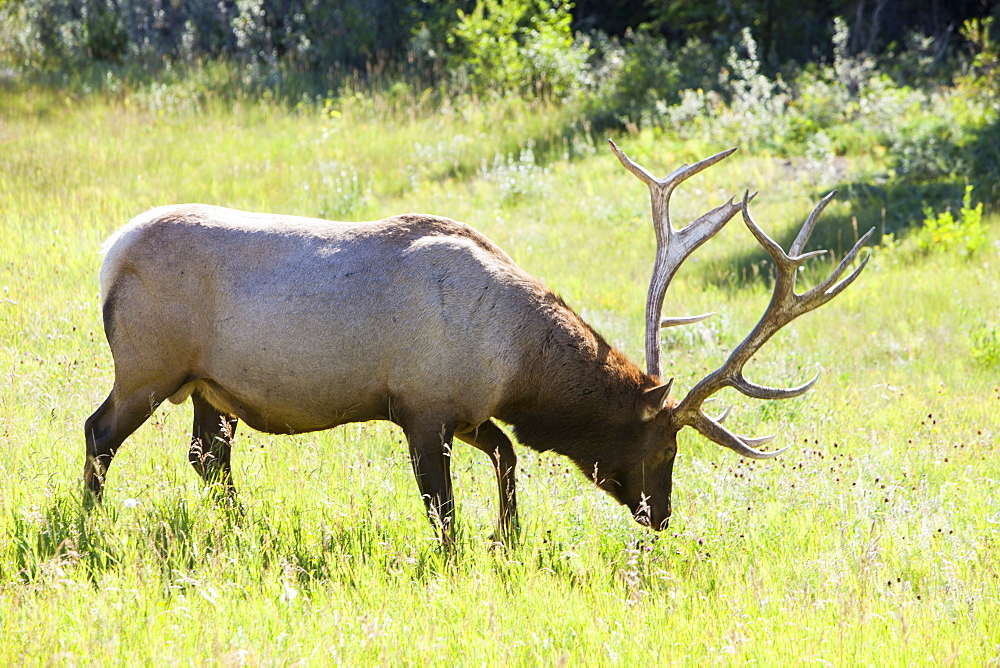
[343, 193]
[852, 71]
[758, 103]
[944, 233]
[519, 178]
[517, 46]
[985, 337]
[984, 69]
[781, 24]
[635, 79]
[530, 41]
[928, 148]
[306, 34]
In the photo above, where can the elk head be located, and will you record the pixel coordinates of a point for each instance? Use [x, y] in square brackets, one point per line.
[646, 486]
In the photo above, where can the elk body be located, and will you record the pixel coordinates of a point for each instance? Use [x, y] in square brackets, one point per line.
[294, 325]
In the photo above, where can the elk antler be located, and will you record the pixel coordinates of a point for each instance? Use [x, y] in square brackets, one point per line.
[673, 246]
[785, 306]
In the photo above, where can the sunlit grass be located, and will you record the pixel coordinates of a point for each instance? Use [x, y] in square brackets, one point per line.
[873, 539]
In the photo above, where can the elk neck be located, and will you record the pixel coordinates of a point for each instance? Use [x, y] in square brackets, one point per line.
[577, 395]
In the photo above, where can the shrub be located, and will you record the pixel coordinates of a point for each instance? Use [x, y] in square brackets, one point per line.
[635, 79]
[342, 193]
[981, 73]
[314, 34]
[518, 178]
[759, 108]
[517, 46]
[985, 339]
[852, 72]
[927, 149]
[943, 232]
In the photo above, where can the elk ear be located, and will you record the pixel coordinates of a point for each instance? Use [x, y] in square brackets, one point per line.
[654, 400]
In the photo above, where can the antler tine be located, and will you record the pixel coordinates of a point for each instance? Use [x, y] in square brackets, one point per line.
[723, 415]
[684, 320]
[747, 447]
[781, 259]
[831, 292]
[672, 246]
[785, 306]
[755, 391]
[675, 177]
[636, 169]
[807, 228]
[684, 172]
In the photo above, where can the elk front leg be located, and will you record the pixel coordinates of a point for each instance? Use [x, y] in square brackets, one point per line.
[489, 438]
[212, 444]
[430, 455]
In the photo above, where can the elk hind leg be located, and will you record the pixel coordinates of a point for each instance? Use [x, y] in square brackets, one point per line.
[211, 444]
[121, 414]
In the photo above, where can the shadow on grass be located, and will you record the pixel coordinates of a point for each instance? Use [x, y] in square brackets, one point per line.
[895, 208]
[181, 540]
[59, 535]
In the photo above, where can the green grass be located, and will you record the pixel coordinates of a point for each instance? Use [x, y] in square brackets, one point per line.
[873, 540]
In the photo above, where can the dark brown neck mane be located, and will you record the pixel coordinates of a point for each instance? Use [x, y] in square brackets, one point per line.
[580, 396]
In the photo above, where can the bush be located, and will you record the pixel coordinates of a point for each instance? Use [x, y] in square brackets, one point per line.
[524, 47]
[927, 149]
[313, 34]
[634, 80]
[518, 178]
[985, 339]
[943, 232]
[638, 80]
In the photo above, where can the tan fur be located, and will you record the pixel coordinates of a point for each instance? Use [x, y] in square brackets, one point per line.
[300, 306]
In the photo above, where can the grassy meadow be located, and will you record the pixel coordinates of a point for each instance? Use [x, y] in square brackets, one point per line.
[875, 539]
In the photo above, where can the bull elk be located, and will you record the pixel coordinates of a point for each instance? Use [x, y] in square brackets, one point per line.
[294, 325]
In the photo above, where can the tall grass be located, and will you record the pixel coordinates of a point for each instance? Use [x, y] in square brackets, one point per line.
[873, 539]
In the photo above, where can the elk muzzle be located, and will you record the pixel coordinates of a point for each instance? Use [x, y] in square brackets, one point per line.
[655, 519]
